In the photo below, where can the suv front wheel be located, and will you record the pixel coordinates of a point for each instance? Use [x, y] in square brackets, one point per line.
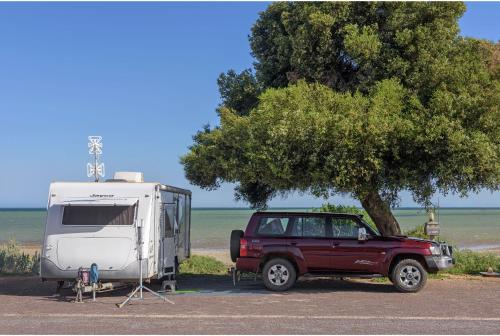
[409, 276]
[279, 274]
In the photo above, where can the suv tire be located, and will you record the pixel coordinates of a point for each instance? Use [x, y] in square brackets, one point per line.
[279, 274]
[409, 276]
[235, 244]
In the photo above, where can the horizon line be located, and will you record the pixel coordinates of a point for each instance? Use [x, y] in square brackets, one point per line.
[269, 208]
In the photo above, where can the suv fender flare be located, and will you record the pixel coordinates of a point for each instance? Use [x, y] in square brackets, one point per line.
[281, 251]
[299, 259]
[394, 254]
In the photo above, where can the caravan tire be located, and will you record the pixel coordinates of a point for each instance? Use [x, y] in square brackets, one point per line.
[235, 244]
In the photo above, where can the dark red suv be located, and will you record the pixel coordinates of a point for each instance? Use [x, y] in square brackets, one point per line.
[285, 245]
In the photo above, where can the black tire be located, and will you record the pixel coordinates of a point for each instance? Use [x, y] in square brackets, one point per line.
[409, 276]
[176, 266]
[284, 280]
[234, 246]
[60, 285]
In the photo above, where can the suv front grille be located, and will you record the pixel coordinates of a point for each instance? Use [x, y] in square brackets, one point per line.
[446, 249]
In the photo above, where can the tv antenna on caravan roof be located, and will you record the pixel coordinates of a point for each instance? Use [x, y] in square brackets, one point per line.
[95, 169]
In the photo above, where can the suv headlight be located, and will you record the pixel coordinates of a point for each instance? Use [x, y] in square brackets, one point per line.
[435, 249]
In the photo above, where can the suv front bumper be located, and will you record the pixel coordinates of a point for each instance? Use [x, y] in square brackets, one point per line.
[439, 262]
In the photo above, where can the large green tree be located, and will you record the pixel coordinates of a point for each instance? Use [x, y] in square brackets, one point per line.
[363, 99]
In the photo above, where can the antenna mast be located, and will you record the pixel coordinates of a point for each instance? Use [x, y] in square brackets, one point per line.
[95, 169]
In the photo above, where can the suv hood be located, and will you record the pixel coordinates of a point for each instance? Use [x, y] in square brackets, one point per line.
[402, 238]
[421, 240]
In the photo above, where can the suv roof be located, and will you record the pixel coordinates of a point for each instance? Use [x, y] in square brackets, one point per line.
[302, 213]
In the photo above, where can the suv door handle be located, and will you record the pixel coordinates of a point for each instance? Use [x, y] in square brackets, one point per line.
[293, 243]
[335, 244]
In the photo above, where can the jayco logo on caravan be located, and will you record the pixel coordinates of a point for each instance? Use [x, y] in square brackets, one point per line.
[101, 196]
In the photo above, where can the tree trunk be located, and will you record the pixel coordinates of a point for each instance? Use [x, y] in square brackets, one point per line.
[380, 213]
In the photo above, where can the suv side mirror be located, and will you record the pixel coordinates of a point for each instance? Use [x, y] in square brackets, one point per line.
[362, 234]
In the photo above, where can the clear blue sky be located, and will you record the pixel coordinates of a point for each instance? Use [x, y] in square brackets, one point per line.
[141, 75]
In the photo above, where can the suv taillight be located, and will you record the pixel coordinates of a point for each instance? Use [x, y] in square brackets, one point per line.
[243, 247]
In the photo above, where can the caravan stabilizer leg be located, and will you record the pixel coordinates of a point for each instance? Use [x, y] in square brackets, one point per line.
[79, 291]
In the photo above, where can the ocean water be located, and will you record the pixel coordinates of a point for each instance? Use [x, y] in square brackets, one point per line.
[466, 227]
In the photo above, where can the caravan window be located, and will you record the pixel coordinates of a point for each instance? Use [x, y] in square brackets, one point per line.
[98, 215]
[168, 221]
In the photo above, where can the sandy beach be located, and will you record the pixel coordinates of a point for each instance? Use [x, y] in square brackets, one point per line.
[219, 254]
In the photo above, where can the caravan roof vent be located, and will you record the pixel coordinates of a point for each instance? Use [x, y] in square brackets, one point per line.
[129, 176]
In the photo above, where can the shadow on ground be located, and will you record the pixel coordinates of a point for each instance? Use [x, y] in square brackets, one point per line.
[195, 285]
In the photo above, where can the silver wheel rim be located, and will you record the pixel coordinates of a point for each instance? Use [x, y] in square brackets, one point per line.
[278, 275]
[410, 276]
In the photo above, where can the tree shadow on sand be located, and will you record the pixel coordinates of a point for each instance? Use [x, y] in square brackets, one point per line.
[195, 284]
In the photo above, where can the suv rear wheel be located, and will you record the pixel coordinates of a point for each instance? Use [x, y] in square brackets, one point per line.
[409, 276]
[279, 274]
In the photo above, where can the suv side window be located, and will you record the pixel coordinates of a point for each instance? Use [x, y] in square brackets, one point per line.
[308, 227]
[344, 228]
[273, 226]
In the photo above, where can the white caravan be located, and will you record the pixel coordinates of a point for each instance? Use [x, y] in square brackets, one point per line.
[102, 222]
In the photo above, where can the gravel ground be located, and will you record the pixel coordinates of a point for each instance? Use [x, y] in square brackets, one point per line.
[211, 305]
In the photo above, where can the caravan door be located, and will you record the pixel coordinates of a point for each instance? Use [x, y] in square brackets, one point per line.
[169, 226]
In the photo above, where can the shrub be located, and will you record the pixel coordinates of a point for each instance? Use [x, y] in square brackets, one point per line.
[417, 232]
[470, 262]
[466, 261]
[327, 207]
[202, 265]
[13, 261]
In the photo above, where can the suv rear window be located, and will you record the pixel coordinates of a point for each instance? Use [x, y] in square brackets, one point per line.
[294, 226]
[99, 215]
[274, 226]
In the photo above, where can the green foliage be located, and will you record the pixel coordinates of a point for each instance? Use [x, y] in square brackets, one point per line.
[202, 265]
[239, 92]
[349, 209]
[13, 261]
[470, 262]
[466, 261]
[417, 232]
[359, 98]
[362, 44]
